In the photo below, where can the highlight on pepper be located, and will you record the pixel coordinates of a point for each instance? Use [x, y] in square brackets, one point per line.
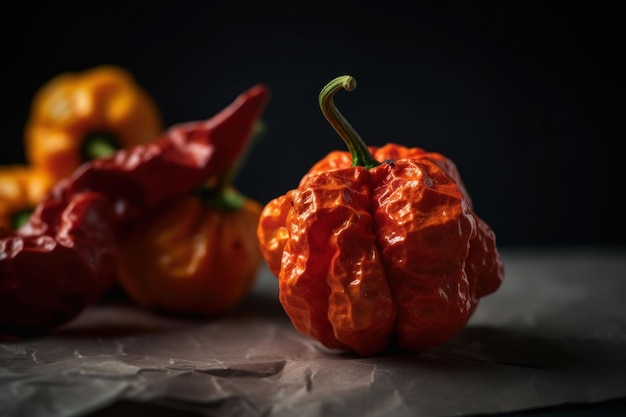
[378, 246]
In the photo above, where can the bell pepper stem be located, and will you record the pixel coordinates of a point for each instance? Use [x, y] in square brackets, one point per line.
[361, 156]
[20, 218]
[99, 145]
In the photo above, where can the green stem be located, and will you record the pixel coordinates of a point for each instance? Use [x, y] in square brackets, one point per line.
[99, 145]
[20, 218]
[361, 155]
[222, 196]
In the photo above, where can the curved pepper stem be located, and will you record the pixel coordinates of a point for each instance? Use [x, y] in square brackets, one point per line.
[361, 156]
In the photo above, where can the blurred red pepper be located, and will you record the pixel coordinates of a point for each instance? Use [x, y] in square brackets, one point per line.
[64, 258]
[378, 246]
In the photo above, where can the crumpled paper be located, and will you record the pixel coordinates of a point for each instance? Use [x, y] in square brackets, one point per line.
[554, 333]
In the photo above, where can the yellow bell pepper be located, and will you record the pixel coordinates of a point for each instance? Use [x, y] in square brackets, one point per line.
[79, 116]
[21, 189]
[199, 256]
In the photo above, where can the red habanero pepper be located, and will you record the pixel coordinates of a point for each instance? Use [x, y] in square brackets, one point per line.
[64, 257]
[378, 245]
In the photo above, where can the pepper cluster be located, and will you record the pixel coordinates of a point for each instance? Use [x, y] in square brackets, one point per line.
[378, 246]
[67, 252]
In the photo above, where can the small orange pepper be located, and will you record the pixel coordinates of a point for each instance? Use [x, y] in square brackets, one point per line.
[197, 256]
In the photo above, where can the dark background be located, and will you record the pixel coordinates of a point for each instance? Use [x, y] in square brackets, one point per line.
[525, 97]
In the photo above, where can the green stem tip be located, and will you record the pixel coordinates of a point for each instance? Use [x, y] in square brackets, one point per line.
[99, 145]
[361, 155]
[20, 218]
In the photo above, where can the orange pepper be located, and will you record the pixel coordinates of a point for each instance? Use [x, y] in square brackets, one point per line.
[378, 247]
[193, 257]
[78, 116]
[21, 189]
[198, 255]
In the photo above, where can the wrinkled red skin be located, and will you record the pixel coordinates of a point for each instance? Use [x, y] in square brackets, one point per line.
[49, 278]
[64, 258]
[484, 267]
[369, 258]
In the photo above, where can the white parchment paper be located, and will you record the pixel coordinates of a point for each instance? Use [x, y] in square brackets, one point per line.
[554, 333]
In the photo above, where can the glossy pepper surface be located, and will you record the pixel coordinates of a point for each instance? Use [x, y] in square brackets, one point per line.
[78, 116]
[378, 246]
[65, 256]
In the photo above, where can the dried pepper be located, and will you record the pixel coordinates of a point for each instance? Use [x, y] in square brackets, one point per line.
[65, 256]
[378, 246]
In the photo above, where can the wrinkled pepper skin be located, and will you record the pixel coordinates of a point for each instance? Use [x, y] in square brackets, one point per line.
[63, 262]
[369, 257]
[65, 257]
[21, 189]
[484, 258]
[191, 258]
[73, 109]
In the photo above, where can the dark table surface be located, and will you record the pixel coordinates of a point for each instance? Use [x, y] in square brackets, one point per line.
[550, 342]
